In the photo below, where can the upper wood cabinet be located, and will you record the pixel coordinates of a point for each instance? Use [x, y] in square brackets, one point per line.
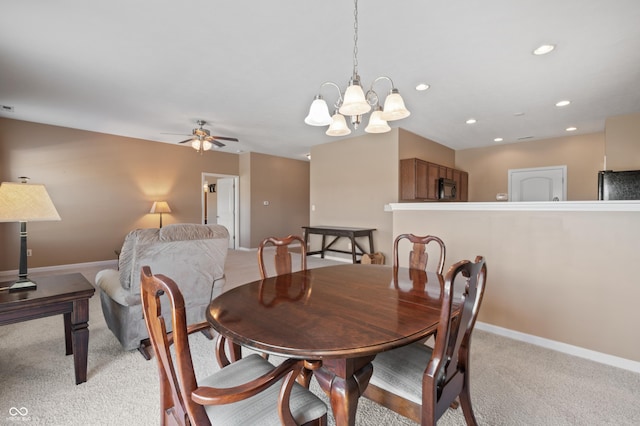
[419, 180]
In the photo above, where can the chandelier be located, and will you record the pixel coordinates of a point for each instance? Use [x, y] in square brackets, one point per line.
[355, 103]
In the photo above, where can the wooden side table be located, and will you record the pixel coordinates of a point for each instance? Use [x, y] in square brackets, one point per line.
[56, 294]
[339, 232]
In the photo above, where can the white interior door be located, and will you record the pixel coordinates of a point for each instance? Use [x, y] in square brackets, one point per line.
[226, 211]
[538, 184]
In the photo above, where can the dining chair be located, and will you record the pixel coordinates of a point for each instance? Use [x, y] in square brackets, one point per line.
[421, 383]
[282, 256]
[250, 390]
[418, 257]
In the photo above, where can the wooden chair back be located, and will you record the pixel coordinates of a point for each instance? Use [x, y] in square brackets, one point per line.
[175, 389]
[282, 255]
[418, 257]
[436, 376]
[182, 400]
[447, 375]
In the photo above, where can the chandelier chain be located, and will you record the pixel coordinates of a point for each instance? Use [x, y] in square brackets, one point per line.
[355, 38]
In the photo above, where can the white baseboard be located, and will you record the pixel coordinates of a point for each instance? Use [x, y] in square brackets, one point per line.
[600, 357]
[106, 264]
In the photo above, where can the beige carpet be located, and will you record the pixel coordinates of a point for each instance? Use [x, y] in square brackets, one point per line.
[513, 383]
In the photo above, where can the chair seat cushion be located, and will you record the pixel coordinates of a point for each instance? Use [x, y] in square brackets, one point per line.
[400, 371]
[262, 408]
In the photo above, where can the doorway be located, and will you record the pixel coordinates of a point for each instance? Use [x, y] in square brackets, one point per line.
[220, 203]
[538, 184]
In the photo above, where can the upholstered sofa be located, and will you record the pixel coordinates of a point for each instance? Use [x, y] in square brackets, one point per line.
[190, 254]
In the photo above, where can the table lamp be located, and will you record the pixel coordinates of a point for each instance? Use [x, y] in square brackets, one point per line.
[160, 207]
[23, 202]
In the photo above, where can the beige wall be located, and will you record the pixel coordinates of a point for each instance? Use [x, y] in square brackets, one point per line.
[284, 184]
[414, 146]
[488, 167]
[351, 181]
[103, 187]
[623, 142]
[563, 276]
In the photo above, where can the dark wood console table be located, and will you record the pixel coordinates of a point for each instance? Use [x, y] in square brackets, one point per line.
[56, 294]
[339, 232]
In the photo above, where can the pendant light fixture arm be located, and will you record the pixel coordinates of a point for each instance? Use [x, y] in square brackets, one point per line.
[331, 83]
[354, 103]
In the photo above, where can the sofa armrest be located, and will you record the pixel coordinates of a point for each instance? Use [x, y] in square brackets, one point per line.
[108, 281]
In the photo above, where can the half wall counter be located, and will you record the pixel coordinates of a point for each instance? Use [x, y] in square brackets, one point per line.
[563, 271]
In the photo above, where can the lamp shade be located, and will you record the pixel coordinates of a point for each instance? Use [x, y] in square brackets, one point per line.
[160, 207]
[318, 113]
[394, 108]
[354, 101]
[376, 123]
[23, 202]
[338, 126]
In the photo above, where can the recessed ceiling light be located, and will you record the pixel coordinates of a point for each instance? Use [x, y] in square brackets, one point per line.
[422, 87]
[498, 140]
[571, 129]
[471, 121]
[562, 103]
[544, 49]
[518, 114]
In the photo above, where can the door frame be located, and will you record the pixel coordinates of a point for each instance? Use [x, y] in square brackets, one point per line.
[236, 195]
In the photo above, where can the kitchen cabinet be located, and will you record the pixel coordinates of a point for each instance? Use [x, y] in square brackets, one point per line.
[419, 180]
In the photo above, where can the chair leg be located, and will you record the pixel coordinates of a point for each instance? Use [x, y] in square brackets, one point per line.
[467, 409]
[145, 350]
[208, 333]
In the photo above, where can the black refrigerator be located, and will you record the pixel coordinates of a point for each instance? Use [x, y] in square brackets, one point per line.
[622, 185]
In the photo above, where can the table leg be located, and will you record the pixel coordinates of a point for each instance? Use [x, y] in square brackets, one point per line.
[371, 242]
[353, 248]
[67, 334]
[79, 325]
[344, 380]
[322, 248]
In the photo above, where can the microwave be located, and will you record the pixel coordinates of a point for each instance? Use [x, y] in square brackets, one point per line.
[447, 189]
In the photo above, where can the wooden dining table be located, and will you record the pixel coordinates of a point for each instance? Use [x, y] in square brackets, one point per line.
[339, 315]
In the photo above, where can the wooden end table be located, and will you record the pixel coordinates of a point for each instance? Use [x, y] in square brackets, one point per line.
[56, 294]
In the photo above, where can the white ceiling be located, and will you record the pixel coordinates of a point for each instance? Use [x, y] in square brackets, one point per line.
[139, 68]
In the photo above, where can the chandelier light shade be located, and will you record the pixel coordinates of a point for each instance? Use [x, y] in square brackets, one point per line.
[394, 108]
[318, 113]
[23, 202]
[376, 123]
[160, 207]
[355, 102]
[338, 126]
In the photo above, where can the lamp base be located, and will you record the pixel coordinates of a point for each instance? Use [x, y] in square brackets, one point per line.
[23, 284]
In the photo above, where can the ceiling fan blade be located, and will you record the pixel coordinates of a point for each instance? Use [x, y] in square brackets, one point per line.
[222, 138]
[216, 143]
[186, 140]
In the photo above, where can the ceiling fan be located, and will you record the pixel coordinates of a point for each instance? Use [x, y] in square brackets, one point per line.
[201, 139]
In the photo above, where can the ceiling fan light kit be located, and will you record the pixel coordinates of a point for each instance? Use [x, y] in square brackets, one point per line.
[201, 139]
[355, 103]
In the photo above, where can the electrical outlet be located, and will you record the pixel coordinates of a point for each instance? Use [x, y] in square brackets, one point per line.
[28, 252]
